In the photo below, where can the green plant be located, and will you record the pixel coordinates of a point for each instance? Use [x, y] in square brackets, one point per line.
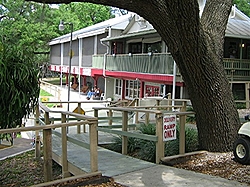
[192, 143]
[146, 149]
[191, 118]
[19, 86]
[133, 144]
[241, 105]
[148, 129]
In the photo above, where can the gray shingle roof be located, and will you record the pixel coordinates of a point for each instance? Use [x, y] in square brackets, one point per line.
[238, 28]
[115, 23]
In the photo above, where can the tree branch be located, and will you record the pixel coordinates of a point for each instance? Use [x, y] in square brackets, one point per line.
[3, 16]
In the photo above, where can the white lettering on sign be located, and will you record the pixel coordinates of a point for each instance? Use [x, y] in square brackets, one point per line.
[169, 128]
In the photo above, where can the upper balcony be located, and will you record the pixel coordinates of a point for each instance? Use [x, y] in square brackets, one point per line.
[157, 63]
[162, 63]
[237, 69]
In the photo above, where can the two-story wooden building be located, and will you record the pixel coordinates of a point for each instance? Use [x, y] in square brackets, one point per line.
[127, 58]
[85, 44]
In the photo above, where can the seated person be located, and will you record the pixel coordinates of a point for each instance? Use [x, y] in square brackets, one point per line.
[97, 92]
[90, 94]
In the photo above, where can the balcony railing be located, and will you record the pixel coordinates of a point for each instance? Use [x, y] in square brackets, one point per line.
[157, 63]
[237, 69]
[162, 63]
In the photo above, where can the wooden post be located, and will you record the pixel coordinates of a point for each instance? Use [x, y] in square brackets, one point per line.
[93, 146]
[182, 128]
[146, 117]
[59, 97]
[65, 169]
[159, 134]
[110, 116]
[247, 94]
[158, 102]
[96, 115]
[124, 128]
[47, 150]
[38, 138]
[137, 113]
[169, 101]
[79, 112]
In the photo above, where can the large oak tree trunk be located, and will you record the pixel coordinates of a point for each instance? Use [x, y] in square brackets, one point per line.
[197, 47]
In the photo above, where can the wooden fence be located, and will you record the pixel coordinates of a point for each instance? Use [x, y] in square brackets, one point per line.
[47, 139]
[158, 137]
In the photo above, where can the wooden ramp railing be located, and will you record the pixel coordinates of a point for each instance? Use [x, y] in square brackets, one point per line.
[157, 138]
[158, 110]
[47, 139]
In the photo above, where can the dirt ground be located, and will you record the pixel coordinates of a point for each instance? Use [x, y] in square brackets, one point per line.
[216, 164]
[25, 170]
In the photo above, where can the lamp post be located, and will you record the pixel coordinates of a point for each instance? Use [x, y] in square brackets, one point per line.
[61, 28]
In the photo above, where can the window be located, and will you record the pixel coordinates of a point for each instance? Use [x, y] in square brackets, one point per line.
[152, 47]
[132, 88]
[152, 90]
[135, 48]
[118, 86]
[117, 48]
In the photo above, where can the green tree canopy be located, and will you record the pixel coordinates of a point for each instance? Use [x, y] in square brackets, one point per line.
[25, 30]
[243, 5]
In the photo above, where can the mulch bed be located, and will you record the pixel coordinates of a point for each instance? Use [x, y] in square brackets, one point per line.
[97, 180]
[3, 146]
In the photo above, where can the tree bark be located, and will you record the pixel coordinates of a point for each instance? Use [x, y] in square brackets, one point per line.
[196, 44]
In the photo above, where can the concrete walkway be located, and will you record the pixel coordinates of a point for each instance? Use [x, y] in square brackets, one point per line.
[165, 176]
[21, 145]
[133, 172]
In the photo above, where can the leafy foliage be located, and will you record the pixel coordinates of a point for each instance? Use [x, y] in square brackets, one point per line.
[19, 86]
[146, 149]
[148, 129]
[84, 14]
[191, 118]
[25, 30]
[244, 6]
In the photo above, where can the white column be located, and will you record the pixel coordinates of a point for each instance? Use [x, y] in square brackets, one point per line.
[61, 62]
[80, 64]
[174, 84]
[95, 45]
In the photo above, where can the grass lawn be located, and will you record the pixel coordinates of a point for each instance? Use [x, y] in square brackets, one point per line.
[44, 93]
[56, 81]
[44, 97]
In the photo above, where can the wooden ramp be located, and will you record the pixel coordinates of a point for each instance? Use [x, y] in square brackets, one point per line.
[109, 163]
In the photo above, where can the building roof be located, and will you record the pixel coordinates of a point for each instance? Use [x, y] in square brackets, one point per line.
[118, 23]
[238, 29]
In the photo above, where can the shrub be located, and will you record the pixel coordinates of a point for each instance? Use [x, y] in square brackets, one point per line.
[133, 144]
[145, 150]
[190, 118]
[148, 129]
